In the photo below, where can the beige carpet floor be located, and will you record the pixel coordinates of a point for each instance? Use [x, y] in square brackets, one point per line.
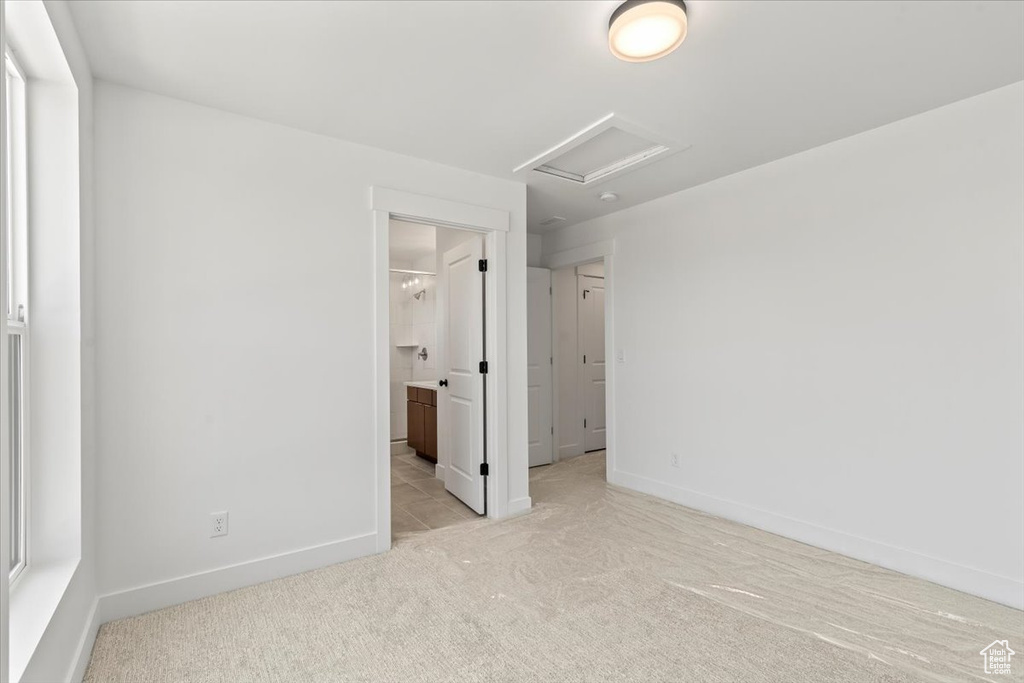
[595, 584]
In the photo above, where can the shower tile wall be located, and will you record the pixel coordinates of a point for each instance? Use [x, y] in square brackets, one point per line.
[410, 319]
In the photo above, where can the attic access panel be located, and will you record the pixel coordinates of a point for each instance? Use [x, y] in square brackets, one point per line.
[608, 148]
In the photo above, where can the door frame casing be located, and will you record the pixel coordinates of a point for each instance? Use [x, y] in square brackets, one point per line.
[591, 253]
[494, 225]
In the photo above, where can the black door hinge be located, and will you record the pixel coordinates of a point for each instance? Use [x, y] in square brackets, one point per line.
[482, 265]
[584, 423]
[483, 469]
[483, 367]
[584, 359]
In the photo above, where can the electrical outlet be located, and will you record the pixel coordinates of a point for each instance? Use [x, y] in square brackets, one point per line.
[675, 460]
[218, 524]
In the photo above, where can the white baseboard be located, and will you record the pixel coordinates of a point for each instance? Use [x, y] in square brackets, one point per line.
[134, 601]
[399, 447]
[1001, 589]
[519, 505]
[439, 471]
[88, 639]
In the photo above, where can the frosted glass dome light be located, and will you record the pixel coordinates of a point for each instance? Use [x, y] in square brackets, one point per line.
[645, 30]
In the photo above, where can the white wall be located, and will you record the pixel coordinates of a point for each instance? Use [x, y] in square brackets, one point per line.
[411, 320]
[568, 430]
[424, 318]
[534, 247]
[235, 342]
[832, 344]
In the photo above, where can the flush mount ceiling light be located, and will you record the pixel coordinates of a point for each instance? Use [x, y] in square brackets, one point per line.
[645, 30]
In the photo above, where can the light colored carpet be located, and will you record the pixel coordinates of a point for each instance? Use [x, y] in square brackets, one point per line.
[596, 584]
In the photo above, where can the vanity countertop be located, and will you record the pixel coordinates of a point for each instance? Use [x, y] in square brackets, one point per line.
[423, 384]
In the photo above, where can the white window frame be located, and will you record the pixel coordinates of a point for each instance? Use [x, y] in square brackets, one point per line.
[16, 318]
[20, 535]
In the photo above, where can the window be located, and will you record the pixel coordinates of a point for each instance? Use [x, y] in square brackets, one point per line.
[17, 325]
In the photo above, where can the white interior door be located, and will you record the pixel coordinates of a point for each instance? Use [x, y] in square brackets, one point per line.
[592, 360]
[463, 397]
[538, 365]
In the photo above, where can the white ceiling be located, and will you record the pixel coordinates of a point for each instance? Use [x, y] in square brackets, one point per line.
[486, 86]
[410, 242]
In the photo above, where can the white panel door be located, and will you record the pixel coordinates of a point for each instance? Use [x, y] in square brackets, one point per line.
[592, 361]
[463, 397]
[538, 365]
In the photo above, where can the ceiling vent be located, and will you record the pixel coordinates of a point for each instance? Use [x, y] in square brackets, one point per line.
[551, 221]
[601, 151]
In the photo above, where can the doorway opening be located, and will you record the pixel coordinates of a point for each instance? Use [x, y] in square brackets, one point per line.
[503, 467]
[569, 371]
[438, 375]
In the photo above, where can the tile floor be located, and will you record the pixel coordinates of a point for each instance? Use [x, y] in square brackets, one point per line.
[419, 501]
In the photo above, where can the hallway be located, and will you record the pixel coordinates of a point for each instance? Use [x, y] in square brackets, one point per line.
[534, 598]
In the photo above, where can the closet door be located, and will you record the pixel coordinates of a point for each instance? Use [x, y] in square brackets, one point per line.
[592, 361]
[539, 365]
